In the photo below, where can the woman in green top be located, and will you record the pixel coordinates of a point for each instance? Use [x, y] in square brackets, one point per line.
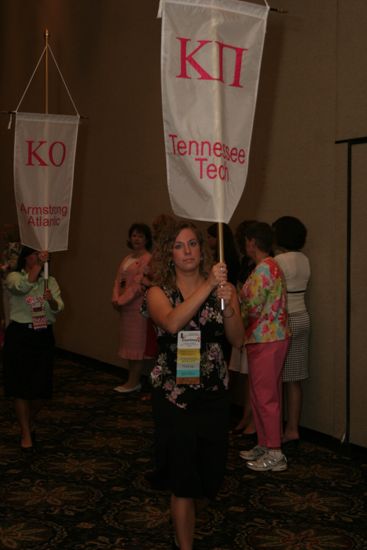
[29, 340]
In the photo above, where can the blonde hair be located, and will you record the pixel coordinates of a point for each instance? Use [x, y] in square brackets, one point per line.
[162, 263]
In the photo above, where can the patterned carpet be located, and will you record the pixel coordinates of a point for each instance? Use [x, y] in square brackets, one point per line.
[85, 486]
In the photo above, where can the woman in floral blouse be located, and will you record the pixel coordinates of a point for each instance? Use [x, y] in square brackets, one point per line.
[264, 308]
[190, 376]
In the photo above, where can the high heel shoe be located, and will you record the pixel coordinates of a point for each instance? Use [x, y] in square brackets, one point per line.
[123, 389]
[30, 448]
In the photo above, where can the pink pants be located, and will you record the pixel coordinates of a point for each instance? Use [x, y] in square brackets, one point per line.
[265, 365]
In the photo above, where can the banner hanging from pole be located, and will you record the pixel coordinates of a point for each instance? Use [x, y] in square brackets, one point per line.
[211, 57]
[44, 158]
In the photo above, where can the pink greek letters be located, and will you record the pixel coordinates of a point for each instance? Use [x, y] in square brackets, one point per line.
[187, 60]
[54, 152]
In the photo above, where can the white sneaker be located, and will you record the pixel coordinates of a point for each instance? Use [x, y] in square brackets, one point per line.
[276, 462]
[253, 453]
[124, 389]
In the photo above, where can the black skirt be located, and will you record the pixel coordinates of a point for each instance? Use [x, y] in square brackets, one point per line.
[191, 445]
[28, 357]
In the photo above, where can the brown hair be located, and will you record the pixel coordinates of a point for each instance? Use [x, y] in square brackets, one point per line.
[162, 263]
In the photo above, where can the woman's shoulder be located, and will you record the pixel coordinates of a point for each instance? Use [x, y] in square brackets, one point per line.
[290, 255]
[292, 260]
[266, 265]
[124, 260]
[10, 278]
[270, 267]
[13, 276]
[140, 261]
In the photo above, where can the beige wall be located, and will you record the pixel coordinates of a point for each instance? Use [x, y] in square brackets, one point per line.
[312, 92]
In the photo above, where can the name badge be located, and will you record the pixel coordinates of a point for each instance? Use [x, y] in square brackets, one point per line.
[39, 319]
[188, 357]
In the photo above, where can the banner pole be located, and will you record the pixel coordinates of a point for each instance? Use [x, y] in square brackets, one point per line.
[46, 35]
[220, 242]
[220, 252]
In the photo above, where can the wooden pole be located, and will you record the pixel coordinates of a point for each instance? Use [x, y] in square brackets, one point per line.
[220, 242]
[46, 35]
[220, 252]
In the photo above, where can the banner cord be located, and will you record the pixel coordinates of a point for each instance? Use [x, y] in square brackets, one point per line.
[26, 89]
[30, 81]
[63, 80]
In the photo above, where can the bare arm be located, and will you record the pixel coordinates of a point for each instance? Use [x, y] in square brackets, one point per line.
[117, 285]
[172, 319]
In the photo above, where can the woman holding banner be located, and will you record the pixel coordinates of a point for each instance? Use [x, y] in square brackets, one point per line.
[190, 401]
[29, 341]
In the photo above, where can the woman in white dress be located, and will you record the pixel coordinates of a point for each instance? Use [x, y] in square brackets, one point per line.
[290, 238]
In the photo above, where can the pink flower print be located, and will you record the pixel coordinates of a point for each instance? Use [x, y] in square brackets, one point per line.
[283, 317]
[175, 392]
[168, 385]
[276, 304]
[265, 280]
[173, 396]
[156, 370]
[214, 354]
[156, 375]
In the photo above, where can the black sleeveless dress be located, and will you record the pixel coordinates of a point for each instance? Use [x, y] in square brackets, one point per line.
[192, 420]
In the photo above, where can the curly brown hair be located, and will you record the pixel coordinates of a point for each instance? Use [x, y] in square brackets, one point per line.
[162, 264]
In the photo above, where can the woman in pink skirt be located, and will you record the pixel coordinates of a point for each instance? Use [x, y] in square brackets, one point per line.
[132, 278]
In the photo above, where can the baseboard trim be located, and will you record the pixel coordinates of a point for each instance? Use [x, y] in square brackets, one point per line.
[319, 438]
[307, 434]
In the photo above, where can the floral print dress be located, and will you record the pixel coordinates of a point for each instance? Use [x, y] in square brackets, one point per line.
[213, 368]
[264, 304]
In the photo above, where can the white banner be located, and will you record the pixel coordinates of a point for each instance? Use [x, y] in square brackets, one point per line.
[211, 58]
[44, 156]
